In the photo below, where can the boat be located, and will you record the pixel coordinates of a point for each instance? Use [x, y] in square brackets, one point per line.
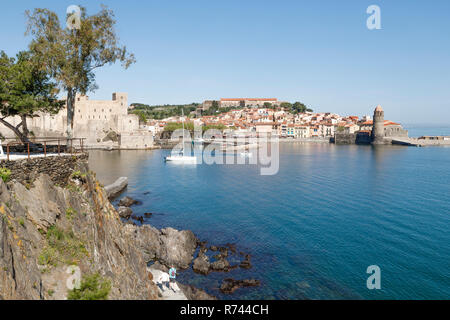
[180, 157]
[246, 154]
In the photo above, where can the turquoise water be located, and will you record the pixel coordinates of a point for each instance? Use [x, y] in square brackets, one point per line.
[315, 227]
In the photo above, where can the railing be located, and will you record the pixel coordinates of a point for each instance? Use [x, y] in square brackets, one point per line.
[46, 144]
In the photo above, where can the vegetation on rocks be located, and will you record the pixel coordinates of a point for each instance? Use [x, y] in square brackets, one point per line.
[63, 247]
[78, 175]
[5, 174]
[71, 213]
[93, 287]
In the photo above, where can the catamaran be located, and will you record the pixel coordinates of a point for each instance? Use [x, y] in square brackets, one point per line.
[180, 157]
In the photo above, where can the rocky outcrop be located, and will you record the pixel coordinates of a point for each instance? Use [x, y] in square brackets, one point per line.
[125, 212]
[201, 263]
[115, 189]
[168, 246]
[246, 264]
[45, 228]
[230, 285]
[128, 202]
[220, 263]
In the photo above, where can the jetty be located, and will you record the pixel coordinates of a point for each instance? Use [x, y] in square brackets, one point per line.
[426, 141]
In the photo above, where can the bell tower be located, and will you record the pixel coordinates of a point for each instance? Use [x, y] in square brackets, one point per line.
[378, 126]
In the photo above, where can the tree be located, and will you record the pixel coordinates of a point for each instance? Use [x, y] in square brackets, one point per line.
[299, 107]
[286, 105]
[141, 114]
[73, 54]
[25, 89]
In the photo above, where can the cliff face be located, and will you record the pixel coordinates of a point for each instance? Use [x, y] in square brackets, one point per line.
[45, 228]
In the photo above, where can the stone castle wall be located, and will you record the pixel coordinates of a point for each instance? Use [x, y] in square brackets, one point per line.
[93, 120]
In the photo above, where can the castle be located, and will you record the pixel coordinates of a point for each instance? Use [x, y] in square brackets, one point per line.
[376, 132]
[384, 130]
[103, 123]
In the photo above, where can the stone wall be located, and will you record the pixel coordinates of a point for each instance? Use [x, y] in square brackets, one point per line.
[59, 168]
[345, 138]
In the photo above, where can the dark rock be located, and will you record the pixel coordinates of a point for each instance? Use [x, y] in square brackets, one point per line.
[125, 212]
[137, 218]
[128, 202]
[213, 248]
[246, 263]
[201, 264]
[230, 285]
[148, 214]
[221, 265]
[201, 243]
[223, 251]
[232, 247]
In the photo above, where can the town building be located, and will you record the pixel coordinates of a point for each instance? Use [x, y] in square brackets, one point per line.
[246, 102]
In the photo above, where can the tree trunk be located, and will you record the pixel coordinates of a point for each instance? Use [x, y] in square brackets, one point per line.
[71, 93]
[25, 131]
[16, 131]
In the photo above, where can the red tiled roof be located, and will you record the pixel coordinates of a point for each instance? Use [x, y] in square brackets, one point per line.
[386, 123]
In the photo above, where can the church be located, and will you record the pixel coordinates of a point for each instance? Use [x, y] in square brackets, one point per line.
[382, 131]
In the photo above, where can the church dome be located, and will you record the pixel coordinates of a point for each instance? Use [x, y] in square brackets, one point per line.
[379, 109]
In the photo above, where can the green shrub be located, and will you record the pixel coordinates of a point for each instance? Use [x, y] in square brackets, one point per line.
[62, 247]
[5, 174]
[93, 287]
[71, 213]
[78, 175]
[48, 257]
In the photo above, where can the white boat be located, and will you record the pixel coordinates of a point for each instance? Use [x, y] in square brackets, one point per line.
[246, 154]
[180, 157]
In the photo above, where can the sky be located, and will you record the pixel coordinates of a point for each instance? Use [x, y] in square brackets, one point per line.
[318, 52]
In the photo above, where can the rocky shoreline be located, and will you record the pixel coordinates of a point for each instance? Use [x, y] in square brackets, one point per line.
[55, 235]
[61, 228]
[169, 246]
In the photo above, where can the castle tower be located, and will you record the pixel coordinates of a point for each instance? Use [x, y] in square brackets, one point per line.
[378, 126]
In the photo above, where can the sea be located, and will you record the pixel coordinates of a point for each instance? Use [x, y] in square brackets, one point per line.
[314, 228]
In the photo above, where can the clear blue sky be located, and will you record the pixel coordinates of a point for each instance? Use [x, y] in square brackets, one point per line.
[317, 52]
